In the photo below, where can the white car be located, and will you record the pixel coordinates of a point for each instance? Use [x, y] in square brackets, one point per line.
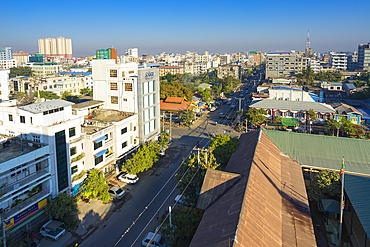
[116, 192]
[128, 178]
[158, 240]
[53, 229]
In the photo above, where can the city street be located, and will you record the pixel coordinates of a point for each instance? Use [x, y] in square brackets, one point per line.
[128, 221]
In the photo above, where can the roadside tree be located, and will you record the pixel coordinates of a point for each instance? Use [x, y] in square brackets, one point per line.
[146, 156]
[63, 208]
[46, 95]
[187, 117]
[256, 116]
[95, 186]
[223, 146]
[324, 183]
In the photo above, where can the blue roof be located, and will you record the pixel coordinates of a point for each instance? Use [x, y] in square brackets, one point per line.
[75, 73]
[101, 153]
[100, 139]
[365, 112]
[286, 88]
[351, 86]
[22, 76]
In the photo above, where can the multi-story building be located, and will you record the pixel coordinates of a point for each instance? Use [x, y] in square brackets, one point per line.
[6, 53]
[7, 64]
[127, 88]
[56, 47]
[173, 70]
[363, 61]
[25, 184]
[134, 52]
[21, 57]
[42, 69]
[4, 85]
[50, 122]
[284, 64]
[338, 60]
[352, 62]
[110, 53]
[229, 69]
[36, 58]
[314, 64]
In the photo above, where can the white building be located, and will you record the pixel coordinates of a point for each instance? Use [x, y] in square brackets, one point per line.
[61, 47]
[124, 87]
[4, 85]
[6, 53]
[7, 64]
[314, 64]
[338, 60]
[134, 52]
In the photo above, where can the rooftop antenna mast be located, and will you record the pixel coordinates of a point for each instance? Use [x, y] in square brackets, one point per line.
[308, 45]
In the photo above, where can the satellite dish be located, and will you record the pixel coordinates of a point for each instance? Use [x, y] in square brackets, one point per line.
[25, 99]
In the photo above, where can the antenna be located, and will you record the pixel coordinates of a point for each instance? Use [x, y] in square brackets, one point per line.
[308, 45]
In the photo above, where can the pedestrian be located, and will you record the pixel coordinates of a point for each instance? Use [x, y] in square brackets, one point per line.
[157, 215]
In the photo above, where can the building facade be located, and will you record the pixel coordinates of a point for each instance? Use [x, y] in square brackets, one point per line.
[110, 53]
[284, 64]
[43, 69]
[173, 70]
[7, 64]
[338, 61]
[4, 85]
[363, 61]
[352, 62]
[21, 57]
[56, 47]
[6, 53]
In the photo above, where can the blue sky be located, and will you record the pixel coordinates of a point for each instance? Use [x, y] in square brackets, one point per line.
[179, 26]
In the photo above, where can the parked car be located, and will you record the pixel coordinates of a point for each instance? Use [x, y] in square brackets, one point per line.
[128, 178]
[221, 115]
[158, 240]
[232, 106]
[116, 192]
[228, 102]
[53, 229]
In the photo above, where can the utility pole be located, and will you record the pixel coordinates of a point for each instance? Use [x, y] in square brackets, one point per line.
[246, 125]
[163, 121]
[170, 124]
[2, 221]
[203, 150]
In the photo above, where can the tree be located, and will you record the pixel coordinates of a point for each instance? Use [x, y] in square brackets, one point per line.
[69, 97]
[324, 183]
[20, 71]
[187, 117]
[223, 146]
[175, 89]
[312, 115]
[256, 116]
[146, 156]
[46, 95]
[332, 125]
[217, 89]
[308, 74]
[277, 119]
[206, 94]
[95, 185]
[63, 208]
[347, 126]
[84, 90]
[89, 70]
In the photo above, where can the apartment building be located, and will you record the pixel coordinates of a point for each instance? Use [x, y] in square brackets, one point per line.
[134, 52]
[21, 57]
[25, 184]
[42, 69]
[314, 64]
[127, 88]
[4, 85]
[352, 62]
[229, 69]
[363, 61]
[173, 70]
[284, 64]
[7, 64]
[338, 61]
[6, 53]
[110, 53]
[56, 47]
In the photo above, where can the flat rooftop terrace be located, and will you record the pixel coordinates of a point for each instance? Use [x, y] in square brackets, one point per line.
[13, 147]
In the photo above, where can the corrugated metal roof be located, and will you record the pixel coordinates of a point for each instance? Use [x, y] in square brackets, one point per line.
[323, 151]
[46, 106]
[292, 105]
[268, 206]
[357, 189]
[365, 112]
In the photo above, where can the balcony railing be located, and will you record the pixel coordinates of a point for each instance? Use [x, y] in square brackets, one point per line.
[24, 204]
[26, 180]
[78, 157]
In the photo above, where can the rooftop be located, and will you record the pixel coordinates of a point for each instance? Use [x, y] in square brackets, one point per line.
[88, 104]
[45, 106]
[292, 105]
[13, 147]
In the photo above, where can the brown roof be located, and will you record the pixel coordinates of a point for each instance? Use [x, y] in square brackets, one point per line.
[174, 100]
[267, 206]
[174, 104]
[170, 67]
[345, 109]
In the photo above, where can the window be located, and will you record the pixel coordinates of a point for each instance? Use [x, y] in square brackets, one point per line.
[114, 100]
[124, 144]
[23, 119]
[124, 99]
[72, 151]
[123, 73]
[72, 132]
[113, 73]
[98, 160]
[124, 130]
[98, 145]
[131, 72]
[113, 86]
[10, 118]
[128, 86]
[74, 169]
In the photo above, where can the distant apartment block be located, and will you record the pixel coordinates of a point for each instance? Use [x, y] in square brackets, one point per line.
[226, 70]
[352, 62]
[134, 52]
[42, 69]
[338, 61]
[314, 64]
[110, 53]
[36, 58]
[21, 57]
[56, 47]
[363, 62]
[7, 64]
[284, 64]
[173, 70]
[6, 53]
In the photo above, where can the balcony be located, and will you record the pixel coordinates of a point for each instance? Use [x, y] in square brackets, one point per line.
[78, 157]
[22, 182]
[109, 156]
[25, 203]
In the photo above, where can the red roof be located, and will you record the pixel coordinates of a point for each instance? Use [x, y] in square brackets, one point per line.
[171, 67]
[169, 106]
[174, 100]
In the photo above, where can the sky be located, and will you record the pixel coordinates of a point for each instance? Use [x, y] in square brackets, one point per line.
[180, 26]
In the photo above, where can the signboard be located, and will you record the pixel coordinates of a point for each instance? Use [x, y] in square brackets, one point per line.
[25, 214]
[149, 75]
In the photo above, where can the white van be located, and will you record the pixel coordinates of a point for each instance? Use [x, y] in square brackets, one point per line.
[158, 240]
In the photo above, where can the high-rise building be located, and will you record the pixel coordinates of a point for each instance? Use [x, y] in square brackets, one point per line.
[133, 52]
[61, 47]
[338, 60]
[21, 57]
[6, 53]
[352, 62]
[363, 61]
[110, 53]
[284, 64]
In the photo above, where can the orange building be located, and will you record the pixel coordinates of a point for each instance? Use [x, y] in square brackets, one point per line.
[173, 70]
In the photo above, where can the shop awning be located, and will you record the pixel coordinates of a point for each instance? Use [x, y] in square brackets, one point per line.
[100, 153]
[290, 122]
[100, 139]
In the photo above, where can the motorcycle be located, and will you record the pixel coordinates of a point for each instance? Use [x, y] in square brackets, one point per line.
[84, 199]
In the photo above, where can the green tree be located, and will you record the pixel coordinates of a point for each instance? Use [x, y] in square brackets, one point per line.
[223, 146]
[46, 95]
[69, 97]
[187, 117]
[206, 94]
[312, 115]
[175, 89]
[332, 125]
[146, 156]
[191, 177]
[347, 126]
[277, 119]
[95, 185]
[308, 75]
[89, 70]
[324, 183]
[20, 71]
[84, 90]
[63, 208]
[217, 89]
[256, 116]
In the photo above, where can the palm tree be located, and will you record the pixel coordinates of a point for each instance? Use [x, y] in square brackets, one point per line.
[332, 125]
[308, 74]
[347, 126]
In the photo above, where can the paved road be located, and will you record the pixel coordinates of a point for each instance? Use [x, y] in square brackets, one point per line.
[112, 231]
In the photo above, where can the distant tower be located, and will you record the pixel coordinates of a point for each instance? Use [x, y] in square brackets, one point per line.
[308, 45]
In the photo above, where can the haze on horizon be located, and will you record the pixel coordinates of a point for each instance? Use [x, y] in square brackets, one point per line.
[177, 26]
